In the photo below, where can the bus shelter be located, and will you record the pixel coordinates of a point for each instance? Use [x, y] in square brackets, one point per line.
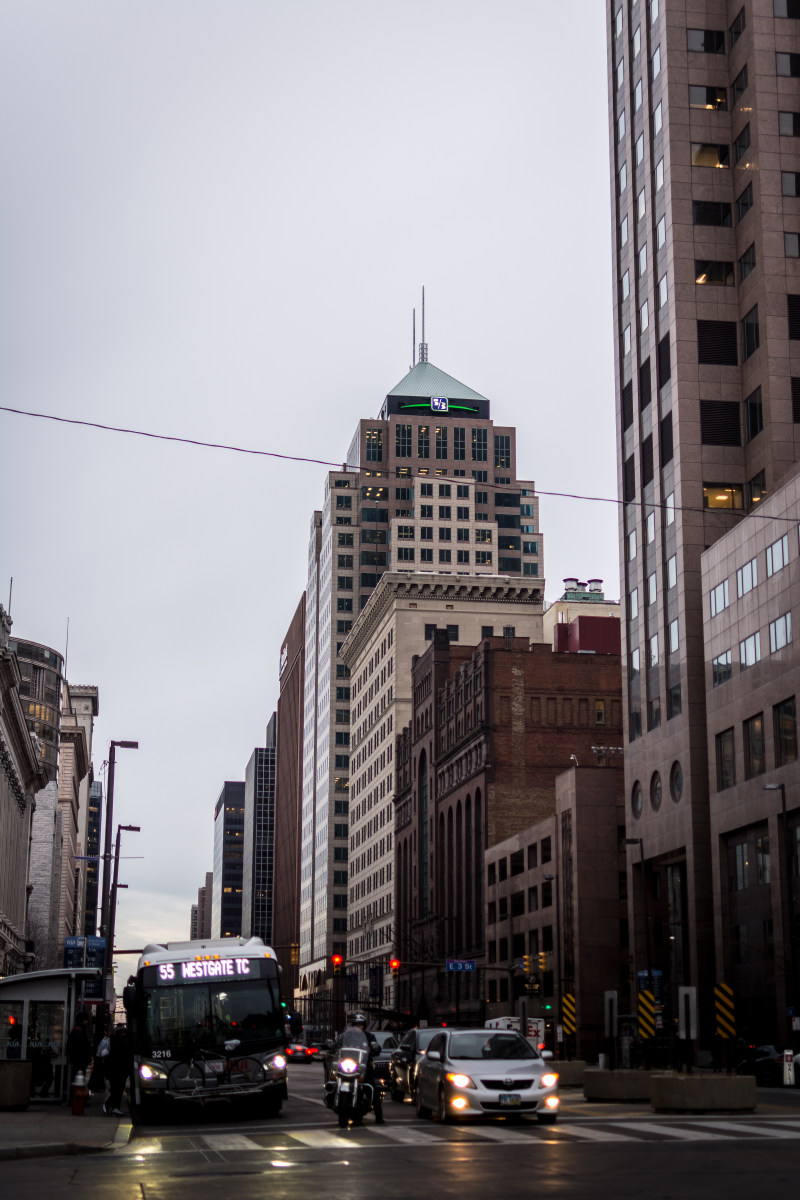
[37, 1011]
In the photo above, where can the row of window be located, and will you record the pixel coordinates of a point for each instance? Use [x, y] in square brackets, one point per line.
[776, 557]
[515, 864]
[784, 725]
[780, 635]
[438, 437]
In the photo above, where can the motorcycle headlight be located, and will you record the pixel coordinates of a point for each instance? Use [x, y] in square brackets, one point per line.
[279, 1062]
[348, 1066]
[148, 1072]
[461, 1081]
[549, 1080]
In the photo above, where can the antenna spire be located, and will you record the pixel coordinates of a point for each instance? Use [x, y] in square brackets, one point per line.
[423, 346]
[413, 338]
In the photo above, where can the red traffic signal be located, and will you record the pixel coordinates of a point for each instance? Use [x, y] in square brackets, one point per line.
[337, 960]
[394, 963]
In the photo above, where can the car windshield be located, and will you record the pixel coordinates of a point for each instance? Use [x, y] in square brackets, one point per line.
[490, 1045]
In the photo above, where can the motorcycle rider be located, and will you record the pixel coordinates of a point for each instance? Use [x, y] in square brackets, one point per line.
[358, 1022]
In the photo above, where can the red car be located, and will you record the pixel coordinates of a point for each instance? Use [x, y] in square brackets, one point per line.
[299, 1052]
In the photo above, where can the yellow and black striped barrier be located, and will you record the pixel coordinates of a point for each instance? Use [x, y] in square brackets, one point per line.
[725, 1010]
[568, 1013]
[647, 1015]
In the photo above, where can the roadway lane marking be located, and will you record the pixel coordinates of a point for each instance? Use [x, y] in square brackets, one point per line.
[229, 1141]
[494, 1134]
[751, 1131]
[668, 1131]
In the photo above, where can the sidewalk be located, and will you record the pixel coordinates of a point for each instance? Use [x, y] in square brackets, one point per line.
[45, 1130]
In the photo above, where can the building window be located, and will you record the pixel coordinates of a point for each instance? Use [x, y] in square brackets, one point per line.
[744, 202]
[786, 8]
[653, 651]
[711, 212]
[658, 119]
[726, 765]
[652, 588]
[547, 850]
[402, 441]
[785, 729]
[672, 571]
[750, 651]
[669, 507]
[445, 556]
[747, 577]
[787, 64]
[424, 441]
[713, 273]
[426, 554]
[655, 63]
[633, 604]
[756, 489]
[739, 85]
[374, 440]
[705, 41]
[459, 443]
[777, 555]
[722, 495]
[753, 415]
[736, 29]
[747, 263]
[753, 731]
[721, 668]
[740, 867]
[659, 174]
[502, 450]
[789, 124]
[719, 598]
[780, 632]
[661, 233]
[791, 245]
[639, 150]
[713, 98]
[673, 637]
[480, 445]
[710, 154]
[405, 554]
[741, 144]
[763, 870]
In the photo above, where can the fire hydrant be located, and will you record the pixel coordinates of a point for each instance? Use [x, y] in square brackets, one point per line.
[79, 1094]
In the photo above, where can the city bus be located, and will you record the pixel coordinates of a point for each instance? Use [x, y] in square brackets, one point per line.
[205, 1022]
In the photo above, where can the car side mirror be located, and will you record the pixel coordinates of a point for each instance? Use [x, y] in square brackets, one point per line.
[433, 1056]
[547, 1053]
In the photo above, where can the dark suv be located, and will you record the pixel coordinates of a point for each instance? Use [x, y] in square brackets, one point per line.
[403, 1062]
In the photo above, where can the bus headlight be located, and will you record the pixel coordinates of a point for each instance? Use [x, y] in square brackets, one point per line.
[149, 1072]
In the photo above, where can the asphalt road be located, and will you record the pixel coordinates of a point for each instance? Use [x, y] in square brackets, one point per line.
[594, 1151]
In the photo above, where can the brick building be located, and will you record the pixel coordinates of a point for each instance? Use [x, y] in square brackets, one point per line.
[492, 727]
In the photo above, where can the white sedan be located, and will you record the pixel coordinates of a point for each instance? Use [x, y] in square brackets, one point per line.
[485, 1073]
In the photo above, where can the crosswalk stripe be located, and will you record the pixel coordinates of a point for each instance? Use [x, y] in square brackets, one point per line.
[319, 1138]
[498, 1133]
[686, 1135]
[229, 1141]
[589, 1135]
[407, 1137]
[754, 1130]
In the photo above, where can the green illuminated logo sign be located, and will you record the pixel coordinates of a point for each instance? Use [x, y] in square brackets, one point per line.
[440, 404]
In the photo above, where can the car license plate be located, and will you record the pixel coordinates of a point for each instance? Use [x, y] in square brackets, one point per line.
[509, 1099]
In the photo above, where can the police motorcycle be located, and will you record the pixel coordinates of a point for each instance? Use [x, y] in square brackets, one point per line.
[347, 1091]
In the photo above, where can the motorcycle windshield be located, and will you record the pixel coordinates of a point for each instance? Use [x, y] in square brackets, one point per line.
[355, 1039]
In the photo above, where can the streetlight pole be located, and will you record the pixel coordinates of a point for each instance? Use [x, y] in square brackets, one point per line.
[559, 1006]
[640, 843]
[787, 870]
[112, 916]
[104, 924]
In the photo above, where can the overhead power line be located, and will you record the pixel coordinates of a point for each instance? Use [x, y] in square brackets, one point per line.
[324, 462]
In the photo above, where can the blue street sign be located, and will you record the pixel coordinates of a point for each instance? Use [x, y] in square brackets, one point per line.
[461, 964]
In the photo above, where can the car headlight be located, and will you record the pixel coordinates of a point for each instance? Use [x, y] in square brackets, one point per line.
[149, 1073]
[348, 1066]
[279, 1063]
[461, 1081]
[549, 1080]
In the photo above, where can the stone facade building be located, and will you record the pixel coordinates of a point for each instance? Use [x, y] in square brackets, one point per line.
[492, 727]
[22, 776]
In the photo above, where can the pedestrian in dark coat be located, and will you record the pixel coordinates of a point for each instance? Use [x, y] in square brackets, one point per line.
[118, 1067]
[79, 1048]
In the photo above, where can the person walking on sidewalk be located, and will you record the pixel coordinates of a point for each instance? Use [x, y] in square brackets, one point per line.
[79, 1048]
[118, 1066]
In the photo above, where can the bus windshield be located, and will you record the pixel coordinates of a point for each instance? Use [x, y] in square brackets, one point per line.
[206, 1015]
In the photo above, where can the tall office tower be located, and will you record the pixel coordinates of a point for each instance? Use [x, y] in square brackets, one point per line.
[226, 901]
[94, 826]
[288, 797]
[428, 486]
[705, 184]
[259, 840]
[204, 901]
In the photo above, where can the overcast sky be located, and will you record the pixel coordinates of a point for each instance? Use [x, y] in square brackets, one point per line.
[216, 220]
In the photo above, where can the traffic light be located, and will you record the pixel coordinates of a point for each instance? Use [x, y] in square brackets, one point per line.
[542, 960]
[526, 964]
[394, 963]
[336, 959]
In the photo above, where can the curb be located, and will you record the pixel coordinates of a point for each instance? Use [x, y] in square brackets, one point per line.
[52, 1149]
